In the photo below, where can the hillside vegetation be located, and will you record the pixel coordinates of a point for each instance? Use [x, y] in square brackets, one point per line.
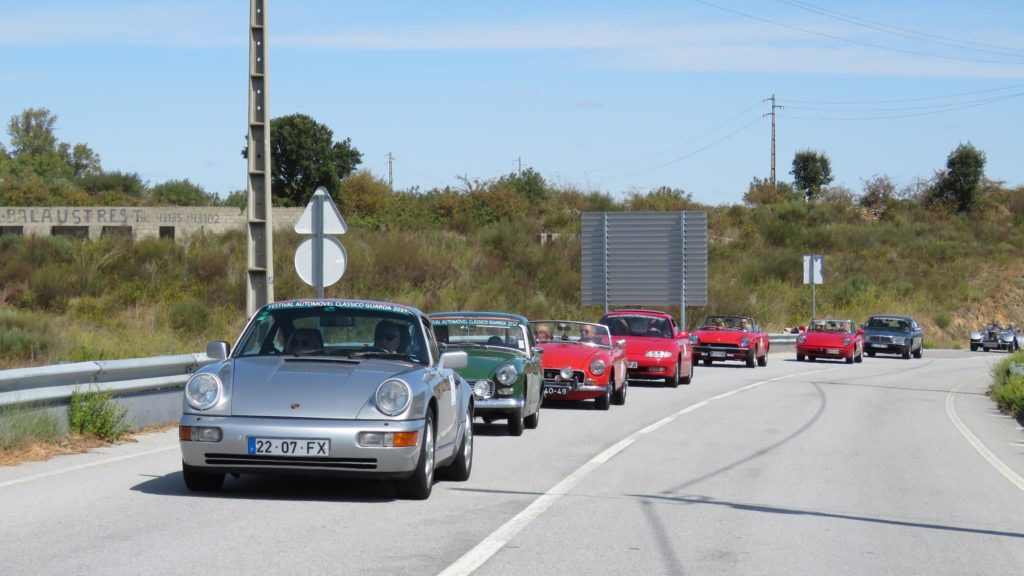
[65, 300]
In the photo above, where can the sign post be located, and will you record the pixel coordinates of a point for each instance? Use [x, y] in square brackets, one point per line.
[814, 274]
[320, 260]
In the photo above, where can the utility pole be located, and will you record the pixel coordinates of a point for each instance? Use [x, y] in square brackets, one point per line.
[391, 159]
[260, 239]
[520, 159]
[772, 114]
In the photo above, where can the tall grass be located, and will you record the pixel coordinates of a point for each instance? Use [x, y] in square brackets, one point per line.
[21, 424]
[1007, 388]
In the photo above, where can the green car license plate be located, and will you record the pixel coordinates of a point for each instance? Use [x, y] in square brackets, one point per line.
[288, 446]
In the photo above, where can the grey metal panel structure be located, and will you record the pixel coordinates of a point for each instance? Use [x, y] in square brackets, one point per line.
[260, 242]
[644, 259]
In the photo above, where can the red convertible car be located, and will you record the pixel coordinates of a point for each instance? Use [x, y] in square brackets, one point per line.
[655, 348]
[828, 338]
[730, 338]
[581, 362]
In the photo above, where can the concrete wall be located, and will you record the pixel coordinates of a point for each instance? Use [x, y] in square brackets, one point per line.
[174, 222]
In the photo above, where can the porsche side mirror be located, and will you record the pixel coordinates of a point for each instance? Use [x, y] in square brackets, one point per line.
[453, 360]
[217, 350]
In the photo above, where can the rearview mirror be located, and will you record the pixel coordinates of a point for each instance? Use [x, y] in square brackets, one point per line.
[453, 360]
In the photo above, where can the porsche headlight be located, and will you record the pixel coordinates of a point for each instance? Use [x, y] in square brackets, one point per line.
[203, 391]
[846, 341]
[658, 354]
[597, 367]
[393, 397]
[506, 375]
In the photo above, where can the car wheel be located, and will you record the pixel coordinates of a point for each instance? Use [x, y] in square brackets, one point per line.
[850, 359]
[974, 347]
[515, 423]
[460, 468]
[762, 360]
[919, 352]
[871, 353]
[708, 361]
[906, 353]
[750, 361]
[673, 380]
[419, 485]
[533, 420]
[689, 375]
[197, 481]
[799, 357]
[859, 358]
[811, 358]
[620, 395]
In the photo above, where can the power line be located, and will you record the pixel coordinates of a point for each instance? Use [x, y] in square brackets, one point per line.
[905, 32]
[850, 40]
[949, 108]
[897, 101]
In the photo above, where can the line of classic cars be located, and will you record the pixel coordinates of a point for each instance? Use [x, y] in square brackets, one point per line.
[359, 388]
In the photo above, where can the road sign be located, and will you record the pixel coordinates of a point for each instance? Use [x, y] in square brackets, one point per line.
[814, 269]
[320, 260]
[333, 222]
[334, 261]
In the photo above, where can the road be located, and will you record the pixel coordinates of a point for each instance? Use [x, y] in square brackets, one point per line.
[887, 467]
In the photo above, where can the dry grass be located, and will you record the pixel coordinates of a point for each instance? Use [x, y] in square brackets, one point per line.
[70, 444]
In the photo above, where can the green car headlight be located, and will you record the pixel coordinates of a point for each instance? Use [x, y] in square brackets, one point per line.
[506, 375]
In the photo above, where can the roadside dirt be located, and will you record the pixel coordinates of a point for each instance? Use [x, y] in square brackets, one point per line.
[70, 444]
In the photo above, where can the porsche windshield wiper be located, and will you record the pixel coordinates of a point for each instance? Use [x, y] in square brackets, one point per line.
[387, 355]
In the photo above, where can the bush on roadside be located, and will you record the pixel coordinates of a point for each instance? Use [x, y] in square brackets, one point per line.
[1008, 386]
[95, 413]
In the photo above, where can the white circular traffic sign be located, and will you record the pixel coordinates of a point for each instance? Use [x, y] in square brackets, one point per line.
[334, 260]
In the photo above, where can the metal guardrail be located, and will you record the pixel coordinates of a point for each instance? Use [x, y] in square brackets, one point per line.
[148, 387]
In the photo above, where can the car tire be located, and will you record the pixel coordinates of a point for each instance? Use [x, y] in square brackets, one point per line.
[619, 398]
[708, 361]
[419, 485]
[751, 362]
[198, 481]
[811, 358]
[604, 401]
[533, 420]
[762, 360]
[673, 380]
[859, 358]
[689, 376]
[849, 360]
[974, 347]
[871, 353]
[919, 352]
[460, 468]
[515, 423]
[800, 357]
[906, 353]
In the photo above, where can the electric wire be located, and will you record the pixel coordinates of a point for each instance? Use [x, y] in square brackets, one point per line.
[901, 100]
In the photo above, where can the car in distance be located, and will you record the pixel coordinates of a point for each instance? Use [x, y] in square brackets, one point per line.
[830, 338]
[350, 388]
[581, 362]
[503, 369]
[655, 347]
[722, 338]
[992, 336]
[891, 334]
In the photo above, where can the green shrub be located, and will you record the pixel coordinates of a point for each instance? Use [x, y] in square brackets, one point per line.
[189, 317]
[96, 413]
[25, 423]
[1007, 388]
[942, 320]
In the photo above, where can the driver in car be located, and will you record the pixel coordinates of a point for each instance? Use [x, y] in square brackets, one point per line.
[387, 336]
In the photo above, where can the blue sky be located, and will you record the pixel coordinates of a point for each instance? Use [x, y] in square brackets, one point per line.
[605, 96]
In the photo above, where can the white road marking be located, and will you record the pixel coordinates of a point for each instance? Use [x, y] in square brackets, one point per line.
[59, 471]
[987, 454]
[490, 545]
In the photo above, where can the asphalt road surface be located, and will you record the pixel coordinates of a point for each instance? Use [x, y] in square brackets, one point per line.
[887, 467]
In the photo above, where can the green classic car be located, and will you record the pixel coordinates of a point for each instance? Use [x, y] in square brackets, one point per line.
[504, 364]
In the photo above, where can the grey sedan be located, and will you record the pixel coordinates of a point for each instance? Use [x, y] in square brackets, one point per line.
[346, 388]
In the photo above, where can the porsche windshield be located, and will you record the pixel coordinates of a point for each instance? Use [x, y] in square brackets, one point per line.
[336, 330]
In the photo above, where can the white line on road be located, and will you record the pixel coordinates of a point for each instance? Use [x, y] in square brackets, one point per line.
[973, 440]
[59, 471]
[489, 546]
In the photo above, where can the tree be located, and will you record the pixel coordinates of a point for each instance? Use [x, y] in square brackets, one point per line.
[761, 192]
[304, 156]
[811, 172]
[878, 191]
[31, 132]
[83, 161]
[180, 193]
[958, 185]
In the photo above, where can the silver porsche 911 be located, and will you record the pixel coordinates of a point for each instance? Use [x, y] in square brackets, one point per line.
[341, 387]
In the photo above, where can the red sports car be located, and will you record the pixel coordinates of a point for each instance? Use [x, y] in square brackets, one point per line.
[581, 362]
[655, 348]
[828, 338]
[730, 338]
